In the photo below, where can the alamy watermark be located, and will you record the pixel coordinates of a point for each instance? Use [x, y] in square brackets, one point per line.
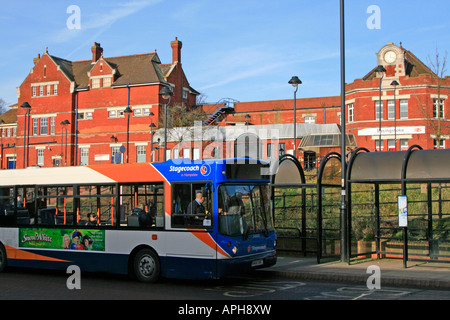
[374, 280]
[74, 280]
[73, 22]
[374, 20]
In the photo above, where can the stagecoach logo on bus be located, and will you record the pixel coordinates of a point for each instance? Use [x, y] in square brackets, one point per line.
[86, 239]
[191, 171]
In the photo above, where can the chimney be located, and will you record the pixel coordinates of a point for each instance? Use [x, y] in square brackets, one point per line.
[176, 50]
[97, 52]
[36, 60]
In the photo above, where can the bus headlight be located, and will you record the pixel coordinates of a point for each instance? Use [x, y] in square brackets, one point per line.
[234, 250]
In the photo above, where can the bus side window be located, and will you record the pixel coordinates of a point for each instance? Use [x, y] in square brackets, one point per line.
[192, 205]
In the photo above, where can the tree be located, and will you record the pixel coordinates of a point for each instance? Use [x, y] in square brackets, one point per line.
[434, 114]
[2, 106]
[436, 121]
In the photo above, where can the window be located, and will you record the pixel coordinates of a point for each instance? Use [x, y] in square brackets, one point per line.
[168, 154]
[350, 112]
[33, 88]
[96, 205]
[107, 82]
[141, 153]
[377, 110]
[281, 149]
[112, 113]
[95, 83]
[116, 155]
[142, 205]
[84, 156]
[391, 144]
[186, 153]
[438, 111]
[244, 209]
[35, 126]
[176, 153]
[403, 109]
[48, 90]
[196, 154]
[186, 210]
[310, 119]
[41, 90]
[55, 89]
[40, 157]
[43, 126]
[84, 115]
[52, 125]
[440, 145]
[137, 112]
[377, 145]
[404, 144]
[391, 109]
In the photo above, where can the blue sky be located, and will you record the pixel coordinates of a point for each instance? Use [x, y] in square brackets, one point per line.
[244, 50]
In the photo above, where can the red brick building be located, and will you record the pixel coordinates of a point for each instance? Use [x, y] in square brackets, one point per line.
[92, 95]
[410, 111]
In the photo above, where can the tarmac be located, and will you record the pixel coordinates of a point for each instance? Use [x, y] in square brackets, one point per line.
[419, 274]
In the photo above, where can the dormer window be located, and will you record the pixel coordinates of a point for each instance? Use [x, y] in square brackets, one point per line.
[107, 82]
[95, 83]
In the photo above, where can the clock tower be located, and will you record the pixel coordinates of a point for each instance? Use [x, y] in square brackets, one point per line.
[392, 58]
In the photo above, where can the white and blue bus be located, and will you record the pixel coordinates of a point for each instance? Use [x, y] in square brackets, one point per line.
[139, 218]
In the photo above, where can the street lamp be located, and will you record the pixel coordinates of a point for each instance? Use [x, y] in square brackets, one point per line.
[166, 93]
[152, 125]
[395, 84]
[381, 70]
[128, 111]
[26, 132]
[64, 125]
[295, 81]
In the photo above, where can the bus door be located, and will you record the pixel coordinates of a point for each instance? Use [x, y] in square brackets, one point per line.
[192, 250]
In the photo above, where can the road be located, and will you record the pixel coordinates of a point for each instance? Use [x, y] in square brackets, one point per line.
[28, 284]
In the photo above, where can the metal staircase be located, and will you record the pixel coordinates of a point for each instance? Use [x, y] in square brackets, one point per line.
[222, 108]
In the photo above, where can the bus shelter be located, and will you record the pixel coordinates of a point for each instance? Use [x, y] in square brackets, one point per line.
[399, 204]
[306, 211]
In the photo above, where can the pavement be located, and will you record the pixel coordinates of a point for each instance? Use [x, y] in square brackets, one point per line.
[421, 274]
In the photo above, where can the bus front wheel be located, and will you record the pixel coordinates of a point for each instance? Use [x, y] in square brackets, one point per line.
[146, 266]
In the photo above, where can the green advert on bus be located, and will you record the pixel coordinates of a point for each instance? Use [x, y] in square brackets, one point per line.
[69, 239]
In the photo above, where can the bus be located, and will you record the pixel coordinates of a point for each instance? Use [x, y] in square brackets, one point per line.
[139, 219]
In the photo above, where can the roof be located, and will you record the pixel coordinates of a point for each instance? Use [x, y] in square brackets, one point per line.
[387, 167]
[414, 67]
[10, 116]
[130, 70]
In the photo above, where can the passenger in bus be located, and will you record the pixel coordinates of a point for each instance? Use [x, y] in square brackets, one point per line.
[196, 206]
[92, 219]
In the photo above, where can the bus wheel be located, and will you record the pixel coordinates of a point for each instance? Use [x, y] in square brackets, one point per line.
[146, 266]
[2, 258]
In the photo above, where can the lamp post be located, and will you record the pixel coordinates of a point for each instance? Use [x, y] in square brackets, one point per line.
[26, 132]
[395, 84]
[64, 125]
[295, 81]
[381, 70]
[152, 125]
[128, 111]
[166, 93]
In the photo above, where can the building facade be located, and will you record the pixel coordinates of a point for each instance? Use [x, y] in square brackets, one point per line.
[77, 110]
[78, 115]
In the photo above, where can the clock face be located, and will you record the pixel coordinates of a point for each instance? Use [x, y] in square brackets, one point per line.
[390, 56]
